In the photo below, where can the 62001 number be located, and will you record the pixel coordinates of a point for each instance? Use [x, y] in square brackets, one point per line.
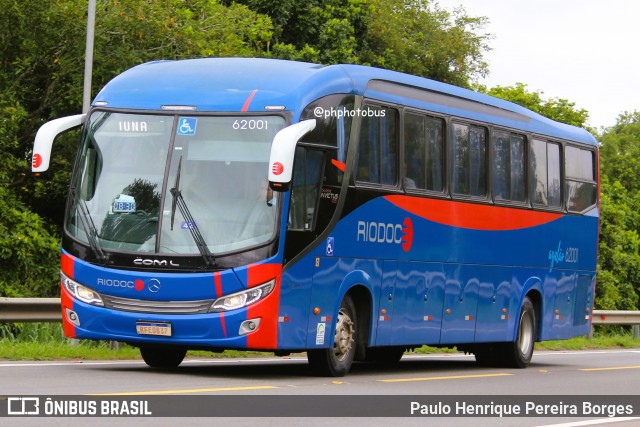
[250, 124]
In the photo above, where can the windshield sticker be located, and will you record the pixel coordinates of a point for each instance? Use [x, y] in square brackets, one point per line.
[186, 225]
[124, 204]
[187, 126]
[132, 126]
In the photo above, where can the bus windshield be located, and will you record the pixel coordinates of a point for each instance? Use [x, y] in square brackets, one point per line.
[173, 184]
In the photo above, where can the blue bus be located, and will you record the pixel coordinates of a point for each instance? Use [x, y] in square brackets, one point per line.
[349, 212]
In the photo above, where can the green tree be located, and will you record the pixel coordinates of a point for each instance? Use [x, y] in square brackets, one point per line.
[412, 36]
[619, 275]
[621, 151]
[557, 109]
[29, 251]
[418, 37]
[619, 253]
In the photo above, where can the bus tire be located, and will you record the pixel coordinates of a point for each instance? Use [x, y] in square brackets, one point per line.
[162, 357]
[518, 354]
[336, 361]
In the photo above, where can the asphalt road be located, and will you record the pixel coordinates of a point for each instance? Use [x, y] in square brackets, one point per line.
[426, 379]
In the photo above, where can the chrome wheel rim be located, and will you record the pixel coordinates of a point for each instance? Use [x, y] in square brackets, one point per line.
[525, 334]
[343, 341]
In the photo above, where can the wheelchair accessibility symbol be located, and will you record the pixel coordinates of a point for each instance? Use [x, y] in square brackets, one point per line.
[187, 126]
[330, 245]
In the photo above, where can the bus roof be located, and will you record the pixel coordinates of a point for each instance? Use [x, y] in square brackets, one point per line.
[254, 84]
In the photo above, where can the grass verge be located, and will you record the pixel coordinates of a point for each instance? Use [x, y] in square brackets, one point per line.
[45, 341]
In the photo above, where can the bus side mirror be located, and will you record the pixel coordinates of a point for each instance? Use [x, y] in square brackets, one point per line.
[283, 151]
[45, 137]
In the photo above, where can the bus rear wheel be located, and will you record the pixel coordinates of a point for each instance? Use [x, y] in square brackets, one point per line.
[518, 353]
[162, 357]
[515, 354]
[336, 361]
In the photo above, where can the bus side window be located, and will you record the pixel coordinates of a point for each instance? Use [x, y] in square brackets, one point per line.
[469, 160]
[508, 167]
[307, 174]
[378, 147]
[423, 153]
[545, 167]
[581, 186]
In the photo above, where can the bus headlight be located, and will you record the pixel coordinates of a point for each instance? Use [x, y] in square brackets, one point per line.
[242, 299]
[80, 292]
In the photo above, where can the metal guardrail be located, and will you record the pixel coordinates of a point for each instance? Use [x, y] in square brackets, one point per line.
[13, 310]
[614, 317]
[30, 310]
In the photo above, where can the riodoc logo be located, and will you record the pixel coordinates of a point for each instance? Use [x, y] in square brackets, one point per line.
[387, 233]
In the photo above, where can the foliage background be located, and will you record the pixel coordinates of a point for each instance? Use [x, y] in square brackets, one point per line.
[42, 61]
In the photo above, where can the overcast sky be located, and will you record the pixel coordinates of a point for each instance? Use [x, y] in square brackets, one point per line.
[585, 51]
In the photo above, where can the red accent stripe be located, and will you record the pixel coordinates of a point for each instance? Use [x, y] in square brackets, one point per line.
[339, 165]
[470, 215]
[66, 264]
[266, 337]
[217, 279]
[245, 107]
[66, 300]
[258, 274]
[224, 327]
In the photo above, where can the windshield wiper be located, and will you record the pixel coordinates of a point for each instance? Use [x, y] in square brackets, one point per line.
[178, 201]
[89, 227]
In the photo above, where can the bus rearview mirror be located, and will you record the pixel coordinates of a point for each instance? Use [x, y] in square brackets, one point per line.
[45, 137]
[283, 151]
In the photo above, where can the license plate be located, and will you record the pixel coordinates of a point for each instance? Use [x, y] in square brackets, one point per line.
[154, 328]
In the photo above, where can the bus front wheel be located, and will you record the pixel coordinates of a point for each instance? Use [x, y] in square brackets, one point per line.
[162, 357]
[336, 361]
